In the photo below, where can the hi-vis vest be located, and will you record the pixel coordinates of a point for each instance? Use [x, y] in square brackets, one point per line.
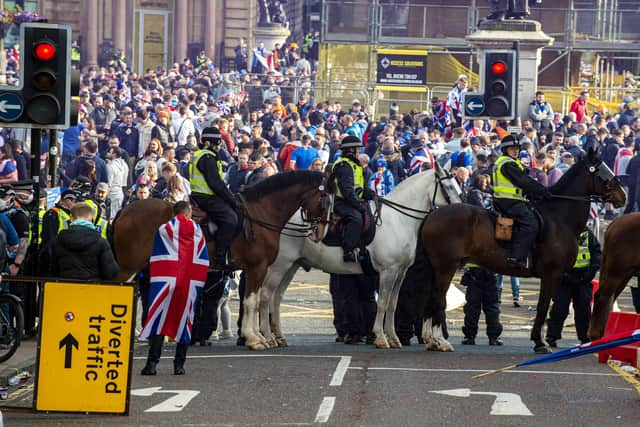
[583, 260]
[358, 177]
[75, 54]
[41, 213]
[502, 187]
[100, 223]
[63, 219]
[196, 178]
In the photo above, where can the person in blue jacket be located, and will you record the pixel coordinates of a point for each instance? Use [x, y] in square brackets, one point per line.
[381, 181]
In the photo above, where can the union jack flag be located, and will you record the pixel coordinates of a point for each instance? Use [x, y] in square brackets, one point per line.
[178, 270]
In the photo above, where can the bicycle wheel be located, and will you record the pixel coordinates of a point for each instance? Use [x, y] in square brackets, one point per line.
[11, 326]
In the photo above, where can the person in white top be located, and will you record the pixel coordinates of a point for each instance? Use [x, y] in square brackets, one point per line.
[183, 125]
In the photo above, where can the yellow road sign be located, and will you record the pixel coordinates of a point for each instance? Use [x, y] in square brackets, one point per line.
[85, 350]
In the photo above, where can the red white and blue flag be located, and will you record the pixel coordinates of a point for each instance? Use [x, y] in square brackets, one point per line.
[178, 269]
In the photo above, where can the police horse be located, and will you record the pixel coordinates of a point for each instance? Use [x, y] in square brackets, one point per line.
[458, 233]
[391, 252]
[620, 261]
[267, 206]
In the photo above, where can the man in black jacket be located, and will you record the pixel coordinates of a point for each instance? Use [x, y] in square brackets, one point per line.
[510, 184]
[576, 286]
[80, 252]
[210, 192]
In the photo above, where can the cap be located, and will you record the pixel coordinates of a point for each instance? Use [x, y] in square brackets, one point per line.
[108, 97]
[23, 185]
[381, 163]
[72, 195]
[350, 141]
[509, 141]
[164, 114]
[210, 134]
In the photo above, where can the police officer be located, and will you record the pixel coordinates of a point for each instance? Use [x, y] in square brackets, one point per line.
[350, 195]
[57, 218]
[510, 183]
[482, 294]
[210, 192]
[576, 286]
[84, 186]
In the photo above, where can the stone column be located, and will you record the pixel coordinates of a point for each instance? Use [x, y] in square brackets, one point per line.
[120, 22]
[91, 40]
[180, 30]
[209, 29]
[500, 35]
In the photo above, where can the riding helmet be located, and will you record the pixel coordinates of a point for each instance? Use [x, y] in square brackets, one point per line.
[350, 141]
[509, 141]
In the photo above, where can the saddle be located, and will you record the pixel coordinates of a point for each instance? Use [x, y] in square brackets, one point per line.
[336, 229]
[504, 225]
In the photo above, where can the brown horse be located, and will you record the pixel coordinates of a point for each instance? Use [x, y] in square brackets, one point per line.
[457, 233]
[268, 206]
[620, 261]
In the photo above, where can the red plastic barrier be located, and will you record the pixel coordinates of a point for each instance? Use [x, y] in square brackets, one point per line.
[629, 353]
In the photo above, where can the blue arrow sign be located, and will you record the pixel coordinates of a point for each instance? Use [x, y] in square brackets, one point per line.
[474, 105]
[11, 107]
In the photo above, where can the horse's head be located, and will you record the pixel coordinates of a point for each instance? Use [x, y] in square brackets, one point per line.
[605, 183]
[316, 208]
[451, 191]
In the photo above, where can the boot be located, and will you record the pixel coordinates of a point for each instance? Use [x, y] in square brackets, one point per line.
[149, 369]
[349, 256]
[519, 263]
[469, 341]
[178, 368]
[495, 341]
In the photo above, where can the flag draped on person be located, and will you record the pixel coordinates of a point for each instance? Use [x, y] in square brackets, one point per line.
[178, 269]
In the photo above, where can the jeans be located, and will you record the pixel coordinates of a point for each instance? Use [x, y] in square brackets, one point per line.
[515, 287]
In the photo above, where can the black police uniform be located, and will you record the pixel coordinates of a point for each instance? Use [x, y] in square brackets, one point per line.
[350, 206]
[526, 225]
[220, 207]
[482, 294]
[575, 286]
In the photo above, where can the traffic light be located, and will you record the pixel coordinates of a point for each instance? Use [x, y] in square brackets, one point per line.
[46, 86]
[43, 98]
[500, 84]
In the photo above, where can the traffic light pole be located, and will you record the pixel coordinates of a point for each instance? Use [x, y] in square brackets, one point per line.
[36, 135]
[53, 157]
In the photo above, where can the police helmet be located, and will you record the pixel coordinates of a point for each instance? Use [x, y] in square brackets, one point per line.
[350, 141]
[210, 136]
[82, 183]
[7, 190]
[509, 141]
[75, 195]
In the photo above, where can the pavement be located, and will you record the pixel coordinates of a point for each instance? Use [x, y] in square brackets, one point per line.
[316, 381]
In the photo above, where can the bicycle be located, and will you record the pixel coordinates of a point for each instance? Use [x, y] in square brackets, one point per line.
[11, 325]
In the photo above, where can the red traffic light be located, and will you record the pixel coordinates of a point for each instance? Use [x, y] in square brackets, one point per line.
[44, 51]
[498, 67]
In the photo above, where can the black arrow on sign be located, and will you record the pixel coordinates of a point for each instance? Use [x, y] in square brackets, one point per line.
[68, 342]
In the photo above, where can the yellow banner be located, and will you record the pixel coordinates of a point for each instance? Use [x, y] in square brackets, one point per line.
[402, 52]
[84, 355]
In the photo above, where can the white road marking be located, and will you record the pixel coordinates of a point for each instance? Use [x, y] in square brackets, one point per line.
[505, 403]
[173, 404]
[241, 356]
[326, 407]
[340, 371]
[595, 374]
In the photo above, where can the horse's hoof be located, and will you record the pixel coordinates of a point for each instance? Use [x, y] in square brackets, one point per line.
[381, 342]
[393, 343]
[258, 346]
[282, 342]
[542, 349]
[432, 346]
[272, 343]
[446, 347]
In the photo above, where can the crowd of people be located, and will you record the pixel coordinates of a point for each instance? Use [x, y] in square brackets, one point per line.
[138, 133]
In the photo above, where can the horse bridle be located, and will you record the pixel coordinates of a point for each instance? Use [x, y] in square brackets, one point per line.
[602, 171]
[439, 183]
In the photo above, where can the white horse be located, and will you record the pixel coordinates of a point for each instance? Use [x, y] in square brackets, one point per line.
[392, 252]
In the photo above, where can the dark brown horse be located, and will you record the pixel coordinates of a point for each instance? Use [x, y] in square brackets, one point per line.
[268, 206]
[457, 233]
[620, 261]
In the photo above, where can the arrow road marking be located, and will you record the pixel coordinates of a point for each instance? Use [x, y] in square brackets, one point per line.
[173, 404]
[505, 403]
[4, 106]
[68, 342]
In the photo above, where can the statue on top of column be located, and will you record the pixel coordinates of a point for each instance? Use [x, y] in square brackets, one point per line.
[510, 9]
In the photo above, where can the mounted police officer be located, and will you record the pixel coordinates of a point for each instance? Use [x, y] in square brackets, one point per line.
[211, 194]
[350, 195]
[576, 287]
[510, 184]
